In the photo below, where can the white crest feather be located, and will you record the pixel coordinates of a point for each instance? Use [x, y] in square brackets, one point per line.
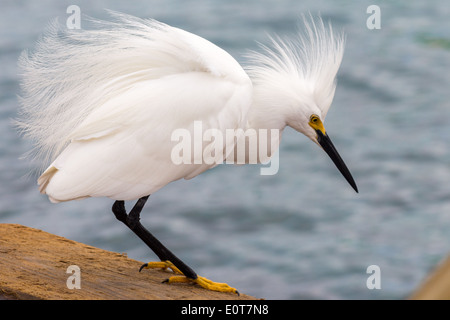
[309, 61]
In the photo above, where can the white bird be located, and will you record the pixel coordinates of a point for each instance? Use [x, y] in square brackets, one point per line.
[101, 106]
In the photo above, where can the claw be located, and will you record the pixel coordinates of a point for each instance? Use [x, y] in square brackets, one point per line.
[145, 265]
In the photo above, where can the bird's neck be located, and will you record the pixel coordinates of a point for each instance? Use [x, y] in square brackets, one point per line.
[266, 116]
[270, 108]
[262, 135]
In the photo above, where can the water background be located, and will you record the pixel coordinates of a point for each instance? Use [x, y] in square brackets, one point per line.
[302, 233]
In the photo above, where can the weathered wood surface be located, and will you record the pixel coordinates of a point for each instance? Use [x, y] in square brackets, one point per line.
[436, 286]
[33, 265]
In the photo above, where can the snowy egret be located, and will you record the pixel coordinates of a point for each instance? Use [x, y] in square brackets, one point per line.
[101, 106]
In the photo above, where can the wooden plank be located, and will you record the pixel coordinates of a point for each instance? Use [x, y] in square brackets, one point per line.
[437, 284]
[33, 265]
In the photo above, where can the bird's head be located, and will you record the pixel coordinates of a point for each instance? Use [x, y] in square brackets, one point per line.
[309, 121]
[297, 79]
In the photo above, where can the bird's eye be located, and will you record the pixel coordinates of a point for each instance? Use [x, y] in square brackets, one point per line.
[316, 123]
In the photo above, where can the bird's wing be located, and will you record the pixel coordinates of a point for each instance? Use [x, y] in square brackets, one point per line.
[123, 149]
[72, 74]
[102, 104]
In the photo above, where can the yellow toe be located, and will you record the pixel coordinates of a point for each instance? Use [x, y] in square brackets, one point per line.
[204, 283]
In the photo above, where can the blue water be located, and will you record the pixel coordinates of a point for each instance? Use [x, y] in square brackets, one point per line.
[302, 233]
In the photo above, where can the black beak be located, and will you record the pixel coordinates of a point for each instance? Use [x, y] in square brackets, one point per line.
[329, 148]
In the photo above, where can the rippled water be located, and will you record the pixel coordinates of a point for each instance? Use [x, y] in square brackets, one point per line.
[302, 233]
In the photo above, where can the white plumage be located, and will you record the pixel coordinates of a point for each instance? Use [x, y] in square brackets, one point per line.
[101, 104]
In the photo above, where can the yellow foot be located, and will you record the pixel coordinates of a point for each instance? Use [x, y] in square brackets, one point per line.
[202, 281]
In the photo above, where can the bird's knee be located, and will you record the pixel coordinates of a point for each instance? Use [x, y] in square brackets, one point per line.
[119, 211]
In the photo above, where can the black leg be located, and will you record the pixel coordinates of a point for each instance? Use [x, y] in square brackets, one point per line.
[132, 221]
